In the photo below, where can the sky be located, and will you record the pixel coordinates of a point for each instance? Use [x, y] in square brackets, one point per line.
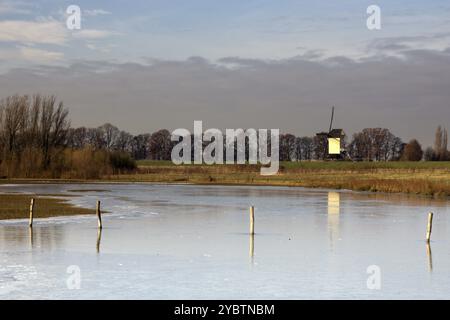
[146, 65]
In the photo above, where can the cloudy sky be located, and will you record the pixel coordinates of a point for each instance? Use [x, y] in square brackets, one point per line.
[145, 65]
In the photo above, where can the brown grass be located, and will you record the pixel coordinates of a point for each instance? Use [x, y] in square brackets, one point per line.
[16, 206]
[423, 179]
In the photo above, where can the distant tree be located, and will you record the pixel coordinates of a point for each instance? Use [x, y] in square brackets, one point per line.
[124, 142]
[33, 132]
[287, 147]
[412, 151]
[375, 144]
[320, 144]
[441, 144]
[139, 146]
[14, 111]
[94, 138]
[52, 127]
[160, 145]
[437, 142]
[429, 154]
[109, 135]
[303, 148]
[77, 138]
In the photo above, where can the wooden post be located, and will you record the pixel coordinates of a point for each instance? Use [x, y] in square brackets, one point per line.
[252, 220]
[31, 212]
[430, 226]
[99, 215]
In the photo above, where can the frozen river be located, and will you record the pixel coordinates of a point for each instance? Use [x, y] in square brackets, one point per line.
[192, 242]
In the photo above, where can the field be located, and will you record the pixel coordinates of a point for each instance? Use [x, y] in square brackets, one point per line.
[335, 165]
[16, 206]
[422, 178]
[425, 178]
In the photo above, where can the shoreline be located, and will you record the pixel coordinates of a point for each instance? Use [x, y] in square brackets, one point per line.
[16, 206]
[428, 182]
[421, 178]
[58, 205]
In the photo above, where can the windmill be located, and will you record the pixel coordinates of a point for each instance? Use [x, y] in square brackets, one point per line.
[334, 140]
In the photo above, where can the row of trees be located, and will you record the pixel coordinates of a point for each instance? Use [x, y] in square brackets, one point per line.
[34, 135]
[32, 132]
[440, 151]
[156, 146]
[36, 138]
[371, 144]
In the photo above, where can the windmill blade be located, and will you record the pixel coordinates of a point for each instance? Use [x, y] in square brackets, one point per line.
[331, 122]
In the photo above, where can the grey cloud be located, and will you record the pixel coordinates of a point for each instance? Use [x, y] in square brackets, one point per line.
[398, 45]
[410, 95]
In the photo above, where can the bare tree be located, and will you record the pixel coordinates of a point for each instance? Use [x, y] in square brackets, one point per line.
[413, 151]
[287, 147]
[124, 142]
[441, 144]
[110, 135]
[139, 146]
[320, 145]
[429, 154]
[94, 138]
[13, 121]
[303, 148]
[160, 145]
[77, 138]
[375, 144]
[53, 126]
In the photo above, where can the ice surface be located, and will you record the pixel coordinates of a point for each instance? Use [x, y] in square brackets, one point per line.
[192, 242]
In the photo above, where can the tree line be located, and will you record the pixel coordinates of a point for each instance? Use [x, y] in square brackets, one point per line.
[36, 139]
[371, 144]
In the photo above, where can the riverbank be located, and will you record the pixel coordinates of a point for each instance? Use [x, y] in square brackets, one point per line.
[424, 178]
[16, 206]
[421, 178]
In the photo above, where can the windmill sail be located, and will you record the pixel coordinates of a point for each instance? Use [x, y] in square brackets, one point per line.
[332, 117]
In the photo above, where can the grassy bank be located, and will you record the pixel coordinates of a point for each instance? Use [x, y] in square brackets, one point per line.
[425, 178]
[15, 206]
[335, 165]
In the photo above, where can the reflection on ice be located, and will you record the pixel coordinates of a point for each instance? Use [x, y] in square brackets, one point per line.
[430, 257]
[156, 236]
[30, 232]
[251, 251]
[99, 239]
[334, 199]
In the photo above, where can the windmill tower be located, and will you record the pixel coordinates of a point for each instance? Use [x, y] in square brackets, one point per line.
[334, 140]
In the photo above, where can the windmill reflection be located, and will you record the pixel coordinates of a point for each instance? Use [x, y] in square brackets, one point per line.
[334, 199]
